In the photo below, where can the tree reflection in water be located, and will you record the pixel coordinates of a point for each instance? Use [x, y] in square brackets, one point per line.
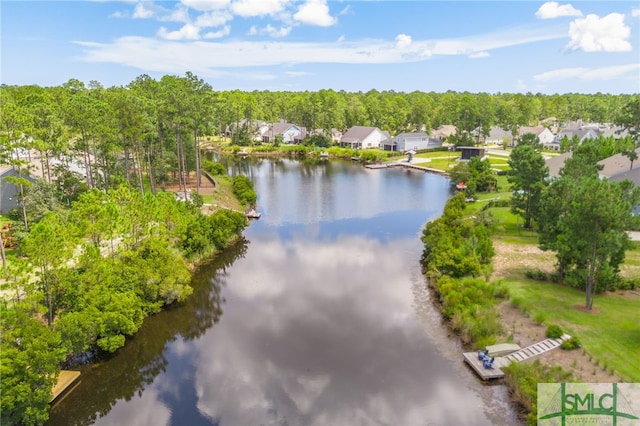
[126, 374]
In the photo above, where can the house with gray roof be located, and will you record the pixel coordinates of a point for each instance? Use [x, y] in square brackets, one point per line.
[617, 164]
[581, 134]
[443, 132]
[410, 141]
[544, 135]
[618, 168]
[498, 136]
[9, 192]
[291, 133]
[556, 163]
[363, 137]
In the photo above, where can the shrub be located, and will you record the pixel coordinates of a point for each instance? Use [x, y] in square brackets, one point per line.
[500, 290]
[536, 274]
[522, 379]
[540, 317]
[554, 332]
[570, 344]
[214, 168]
[243, 189]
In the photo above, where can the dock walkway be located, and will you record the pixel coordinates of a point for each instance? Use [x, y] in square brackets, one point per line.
[407, 166]
[66, 378]
[524, 354]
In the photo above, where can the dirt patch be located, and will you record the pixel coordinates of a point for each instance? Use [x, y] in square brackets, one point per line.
[515, 259]
[206, 186]
[584, 309]
[512, 259]
[525, 331]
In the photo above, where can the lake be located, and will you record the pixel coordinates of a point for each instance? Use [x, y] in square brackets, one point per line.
[319, 316]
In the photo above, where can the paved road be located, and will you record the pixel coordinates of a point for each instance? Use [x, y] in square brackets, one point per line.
[635, 235]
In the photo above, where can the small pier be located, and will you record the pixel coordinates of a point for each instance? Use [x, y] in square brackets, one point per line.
[66, 379]
[406, 166]
[471, 358]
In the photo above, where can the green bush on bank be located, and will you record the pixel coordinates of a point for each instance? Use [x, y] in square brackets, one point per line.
[243, 190]
[455, 245]
[522, 380]
[469, 303]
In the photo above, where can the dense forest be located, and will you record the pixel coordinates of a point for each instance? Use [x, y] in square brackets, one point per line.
[153, 128]
[104, 246]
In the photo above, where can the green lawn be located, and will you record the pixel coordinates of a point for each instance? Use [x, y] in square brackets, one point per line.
[611, 334]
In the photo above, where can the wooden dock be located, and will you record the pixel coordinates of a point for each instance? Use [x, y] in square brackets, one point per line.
[471, 358]
[406, 166]
[66, 378]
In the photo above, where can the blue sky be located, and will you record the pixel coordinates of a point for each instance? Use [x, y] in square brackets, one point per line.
[297, 45]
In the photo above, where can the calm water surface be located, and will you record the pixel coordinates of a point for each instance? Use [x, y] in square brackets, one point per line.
[319, 317]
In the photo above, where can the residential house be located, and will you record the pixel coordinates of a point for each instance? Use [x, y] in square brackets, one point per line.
[408, 141]
[443, 132]
[581, 134]
[255, 128]
[618, 167]
[497, 136]
[334, 134]
[544, 135]
[9, 192]
[291, 133]
[618, 164]
[556, 163]
[363, 137]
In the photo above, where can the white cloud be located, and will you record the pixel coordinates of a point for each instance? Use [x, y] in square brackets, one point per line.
[249, 8]
[635, 12]
[218, 34]
[587, 74]
[270, 31]
[297, 73]
[595, 34]
[206, 5]
[552, 9]
[315, 12]
[142, 11]
[187, 32]
[213, 19]
[341, 39]
[479, 55]
[207, 58]
[179, 14]
[402, 41]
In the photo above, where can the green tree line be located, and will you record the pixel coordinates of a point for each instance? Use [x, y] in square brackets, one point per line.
[90, 275]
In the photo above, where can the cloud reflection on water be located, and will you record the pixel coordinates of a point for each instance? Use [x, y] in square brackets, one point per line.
[300, 344]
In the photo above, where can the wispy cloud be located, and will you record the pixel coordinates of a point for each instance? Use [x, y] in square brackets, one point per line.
[143, 10]
[204, 57]
[635, 12]
[206, 5]
[595, 34]
[270, 31]
[552, 9]
[588, 74]
[479, 55]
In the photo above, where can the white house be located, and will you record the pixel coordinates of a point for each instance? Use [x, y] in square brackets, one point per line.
[498, 136]
[544, 135]
[582, 134]
[291, 133]
[409, 141]
[363, 137]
